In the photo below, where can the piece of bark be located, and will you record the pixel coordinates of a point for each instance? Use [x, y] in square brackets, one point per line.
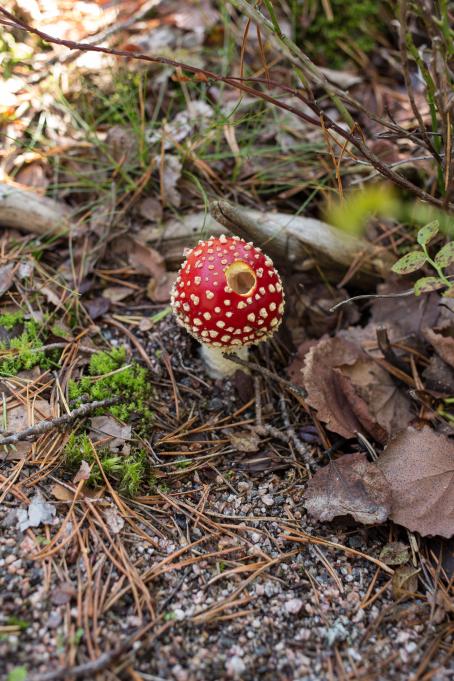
[296, 240]
[28, 212]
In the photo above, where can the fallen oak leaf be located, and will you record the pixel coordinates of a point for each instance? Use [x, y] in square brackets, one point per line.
[419, 467]
[351, 392]
[350, 485]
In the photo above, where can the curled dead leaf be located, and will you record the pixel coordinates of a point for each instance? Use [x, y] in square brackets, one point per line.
[351, 393]
[351, 485]
[419, 467]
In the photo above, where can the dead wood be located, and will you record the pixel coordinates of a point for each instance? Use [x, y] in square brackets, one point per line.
[28, 212]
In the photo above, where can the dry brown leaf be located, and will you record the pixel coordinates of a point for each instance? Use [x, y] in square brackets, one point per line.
[442, 340]
[404, 582]
[83, 473]
[19, 418]
[150, 209]
[351, 485]
[118, 434]
[145, 259]
[116, 293]
[395, 553]
[159, 290]
[6, 277]
[244, 440]
[404, 316]
[419, 466]
[351, 393]
[33, 175]
[439, 376]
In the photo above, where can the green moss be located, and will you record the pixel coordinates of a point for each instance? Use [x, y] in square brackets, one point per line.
[9, 320]
[128, 473]
[108, 378]
[22, 352]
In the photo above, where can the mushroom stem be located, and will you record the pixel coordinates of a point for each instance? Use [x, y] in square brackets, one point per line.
[219, 366]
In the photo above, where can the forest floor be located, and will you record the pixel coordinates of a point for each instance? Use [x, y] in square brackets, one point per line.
[293, 522]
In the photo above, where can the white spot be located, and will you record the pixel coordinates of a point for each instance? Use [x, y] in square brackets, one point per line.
[211, 258]
[227, 289]
[237, 331]
[198, 252]
[236, 341]
[248, 247]
[274, 321]
[262, 290]
[247, 329]
[220, 324]
[217, 310]
[204, 334]
[197, 281]
[259, 272]
[272, 288]
[271, 273]
[229, 314]
[272, 307]
[227, 302]
[211, 267]
[216, 344]
[268, 262]
[241, 305]
[207, 315]
[251, 317]
[198, 322]
[186, 307]
[195, 299]
[223, 239]
[223, 261]
[213, 333]
[278, 287]
[281, 308]
[182, 294]
[263, 313]
[209, 294]
[225, 338]
[249, 300]
[210, 250]
[230, 329]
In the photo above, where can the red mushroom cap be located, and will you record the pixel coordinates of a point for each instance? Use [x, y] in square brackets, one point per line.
[228, 293]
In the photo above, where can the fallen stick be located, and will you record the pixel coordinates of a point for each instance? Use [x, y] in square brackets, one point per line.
[29, 212]
[294, 242]
[299, 241]
[49, 424]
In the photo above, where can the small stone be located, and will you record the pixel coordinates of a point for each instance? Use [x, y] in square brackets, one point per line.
[294, 605]
[268, 500]
[235, 666]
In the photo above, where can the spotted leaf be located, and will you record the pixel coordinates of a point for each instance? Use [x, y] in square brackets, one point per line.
[427, 233]
[445, 255]
[427, 284]
[409, 263]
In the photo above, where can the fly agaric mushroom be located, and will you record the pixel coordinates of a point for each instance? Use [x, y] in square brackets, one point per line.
[228, 295]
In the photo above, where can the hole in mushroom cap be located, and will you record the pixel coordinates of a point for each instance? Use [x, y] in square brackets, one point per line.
[241, 277]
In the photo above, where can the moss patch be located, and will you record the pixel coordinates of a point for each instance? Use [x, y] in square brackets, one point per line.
[109, 376]
[127, 473]
[22, 351]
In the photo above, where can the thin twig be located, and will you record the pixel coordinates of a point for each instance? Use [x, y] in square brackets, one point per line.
[266, 372]
[50, 424]
[239, 83]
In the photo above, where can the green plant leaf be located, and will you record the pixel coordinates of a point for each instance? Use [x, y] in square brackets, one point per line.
[409, 263]
[427, 284]
[427, 233]
[17, 674]
[445, 255]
